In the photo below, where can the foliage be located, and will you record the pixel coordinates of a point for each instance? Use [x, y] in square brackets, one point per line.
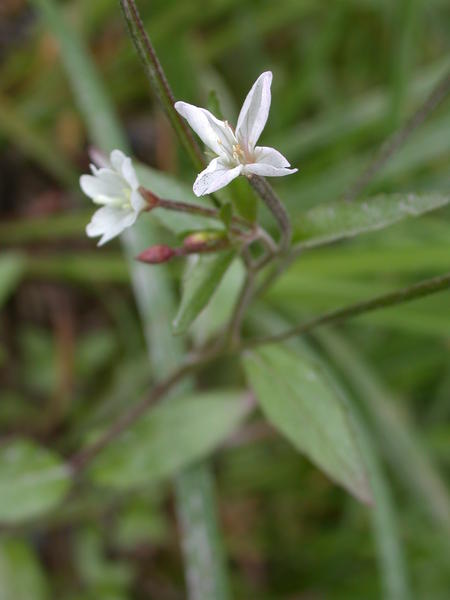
[81, 350]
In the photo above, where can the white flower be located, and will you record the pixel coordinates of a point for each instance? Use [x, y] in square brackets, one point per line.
[237, 153]
[114, 185]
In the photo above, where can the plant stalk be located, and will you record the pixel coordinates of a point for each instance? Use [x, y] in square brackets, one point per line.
[158, 81]
[418, 290]
[274, 204]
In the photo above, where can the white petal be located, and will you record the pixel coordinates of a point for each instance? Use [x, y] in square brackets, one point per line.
[117, 157]
[215, 134]
[108, 222]
[102, 190]
[254, 112]
[270, 156]
[267, 170]
[137, 201]
[129, 174]
[215, 176]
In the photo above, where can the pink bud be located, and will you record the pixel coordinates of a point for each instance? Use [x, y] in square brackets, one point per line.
[156, 254]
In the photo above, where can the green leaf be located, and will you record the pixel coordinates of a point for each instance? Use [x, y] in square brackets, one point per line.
[33, 480]
[220, 308]
[21, 575]
[397, 436]
[226, 214]
[300, 402]
[200, 283]
[23, 134]
[170, 437]
[12, 267]
[94, 103]
[340, 220]
[244, 199]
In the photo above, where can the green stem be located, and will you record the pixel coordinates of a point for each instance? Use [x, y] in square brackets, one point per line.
[152, 288]
[274, 204]
[158, 81]
[418, 290]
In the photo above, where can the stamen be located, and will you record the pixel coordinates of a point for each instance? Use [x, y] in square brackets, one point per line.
[238, 153]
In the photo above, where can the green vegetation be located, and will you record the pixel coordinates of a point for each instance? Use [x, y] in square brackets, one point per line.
[151, 441]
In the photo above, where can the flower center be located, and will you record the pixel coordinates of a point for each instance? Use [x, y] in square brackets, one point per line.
[122, 200]
[238, 153]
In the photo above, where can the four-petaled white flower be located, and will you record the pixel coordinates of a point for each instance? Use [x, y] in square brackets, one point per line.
[113, 184]
[237, 152]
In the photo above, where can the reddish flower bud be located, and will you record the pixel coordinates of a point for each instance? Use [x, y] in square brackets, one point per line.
[156, 254]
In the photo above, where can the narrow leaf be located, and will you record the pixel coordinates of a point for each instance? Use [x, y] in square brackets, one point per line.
[396, 434]
[300, 402]
[22, 133]
[22, 576]
[12, 267]
[33, 480]
[169, 438]
[200, 283]
[340, 220]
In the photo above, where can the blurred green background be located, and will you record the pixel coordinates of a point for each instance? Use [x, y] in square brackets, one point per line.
[346, 74]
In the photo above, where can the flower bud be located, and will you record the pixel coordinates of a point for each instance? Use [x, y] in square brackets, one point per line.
[203, 241]
[156, 254]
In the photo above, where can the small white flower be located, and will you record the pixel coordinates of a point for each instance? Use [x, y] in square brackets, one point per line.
[113, 184]
[237, 152]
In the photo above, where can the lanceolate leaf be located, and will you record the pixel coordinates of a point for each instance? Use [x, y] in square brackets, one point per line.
[33, 480]
[301, 403]
[12, 267]
[201, 281]
[169, 438]
[22, 576]
[339, 220]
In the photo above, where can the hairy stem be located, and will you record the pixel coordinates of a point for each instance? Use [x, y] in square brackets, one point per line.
[186, 207]
[274, 204]
[80, 460]
[418, 290]
[159, 82]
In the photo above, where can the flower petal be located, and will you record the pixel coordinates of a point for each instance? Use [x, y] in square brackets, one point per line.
[254, 112]
[215, 134]
[105, 188]
[117, 157]
[129, 174]
[216, 175]
[270, 156]
[108, 222]
[137, 201]
[267, 170]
